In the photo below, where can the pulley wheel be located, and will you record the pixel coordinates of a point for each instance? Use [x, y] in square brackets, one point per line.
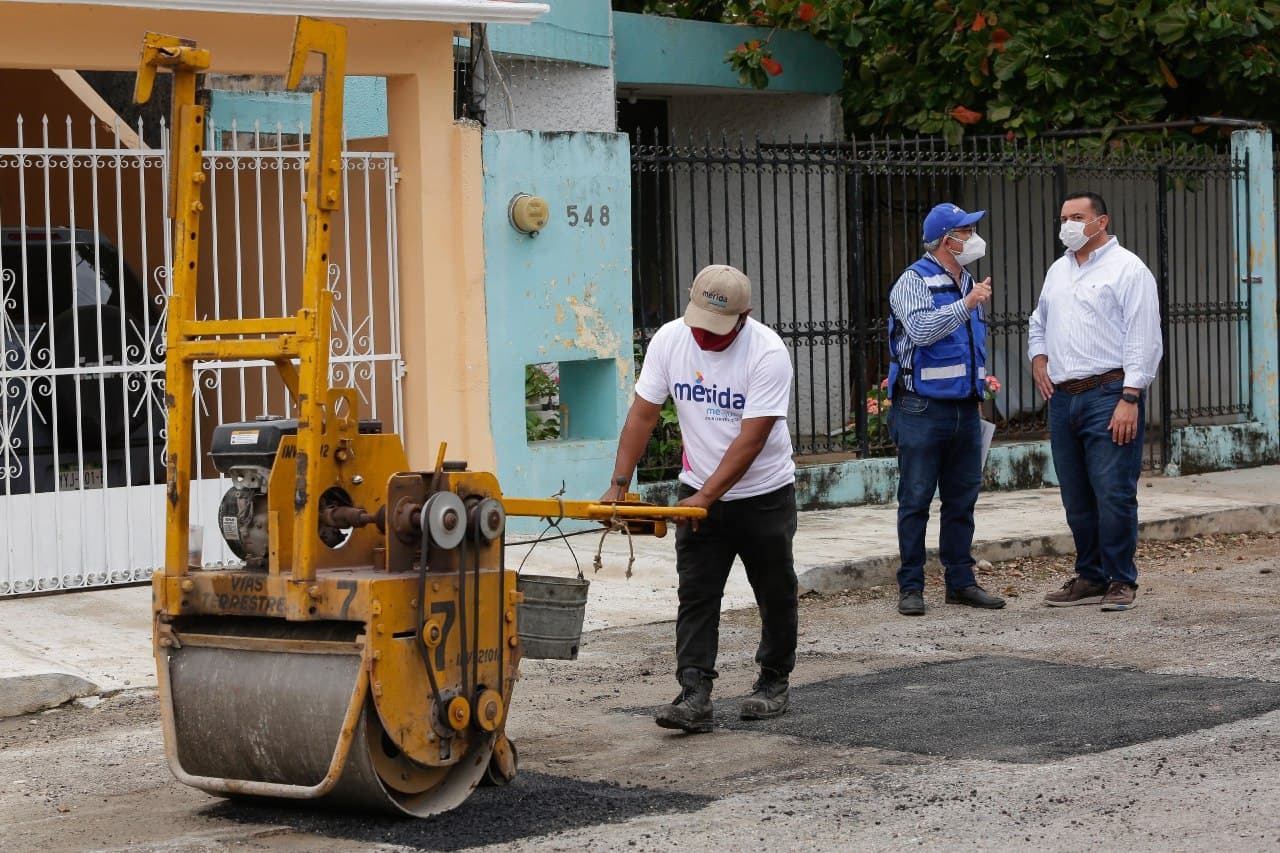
[445, 519]
[488, 710]
[490, 517]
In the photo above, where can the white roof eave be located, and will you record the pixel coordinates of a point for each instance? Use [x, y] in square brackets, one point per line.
[448, 11]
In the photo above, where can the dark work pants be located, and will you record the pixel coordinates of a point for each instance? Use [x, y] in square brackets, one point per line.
[759, 530]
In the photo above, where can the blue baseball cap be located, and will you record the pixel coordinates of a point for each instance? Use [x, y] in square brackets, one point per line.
[945, 217]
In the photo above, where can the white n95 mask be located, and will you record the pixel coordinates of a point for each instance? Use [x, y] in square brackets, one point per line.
[974, 248]
[1072, 233]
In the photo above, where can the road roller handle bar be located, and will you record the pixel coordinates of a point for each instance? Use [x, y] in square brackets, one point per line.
[555, 508]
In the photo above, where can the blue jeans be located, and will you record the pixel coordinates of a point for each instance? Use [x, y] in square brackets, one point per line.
[1099, 481]
[939, 449]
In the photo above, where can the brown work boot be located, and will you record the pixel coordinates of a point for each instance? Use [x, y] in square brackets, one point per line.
[1119, 596]
[1076, 591]
[691, 711]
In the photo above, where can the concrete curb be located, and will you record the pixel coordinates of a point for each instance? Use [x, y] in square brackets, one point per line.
[879, 569]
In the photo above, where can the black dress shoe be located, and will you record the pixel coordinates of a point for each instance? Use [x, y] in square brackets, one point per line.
[974, 596]
[911, 602]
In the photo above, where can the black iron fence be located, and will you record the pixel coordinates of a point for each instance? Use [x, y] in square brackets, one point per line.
[824, 230]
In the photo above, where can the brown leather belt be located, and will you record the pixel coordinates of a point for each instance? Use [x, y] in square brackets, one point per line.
[1088, 383]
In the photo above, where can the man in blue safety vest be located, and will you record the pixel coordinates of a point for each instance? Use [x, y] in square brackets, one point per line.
[937, 370]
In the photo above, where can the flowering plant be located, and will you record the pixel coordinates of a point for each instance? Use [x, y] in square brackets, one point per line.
[540, 385]
[878, 404]
[991, 387]
[754, 62]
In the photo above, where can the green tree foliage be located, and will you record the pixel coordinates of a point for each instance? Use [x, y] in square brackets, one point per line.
[1022, 66]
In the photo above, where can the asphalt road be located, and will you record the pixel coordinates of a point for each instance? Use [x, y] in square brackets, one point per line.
[1030, 727]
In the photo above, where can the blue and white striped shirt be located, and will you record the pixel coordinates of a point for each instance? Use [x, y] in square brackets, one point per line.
[1097, 316]
[918, 321]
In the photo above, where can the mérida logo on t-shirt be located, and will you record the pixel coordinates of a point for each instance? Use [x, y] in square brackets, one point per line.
[697, 392]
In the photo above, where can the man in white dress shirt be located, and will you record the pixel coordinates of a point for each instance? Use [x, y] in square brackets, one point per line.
[1094, 345]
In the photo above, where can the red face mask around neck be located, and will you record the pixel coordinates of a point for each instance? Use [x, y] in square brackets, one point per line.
[712, 342]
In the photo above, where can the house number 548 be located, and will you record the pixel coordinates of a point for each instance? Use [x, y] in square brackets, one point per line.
[591, 216]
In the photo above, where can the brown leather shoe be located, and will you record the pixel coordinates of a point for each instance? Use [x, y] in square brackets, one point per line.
[1119, 596]
[1076, 591]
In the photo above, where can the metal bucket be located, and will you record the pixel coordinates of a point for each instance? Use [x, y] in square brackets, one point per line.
[549, 620]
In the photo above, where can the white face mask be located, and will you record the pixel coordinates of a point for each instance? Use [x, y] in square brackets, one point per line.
[1072, 233]
[974, 248]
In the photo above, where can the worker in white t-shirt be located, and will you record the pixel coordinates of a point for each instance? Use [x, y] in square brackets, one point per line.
[730, 377]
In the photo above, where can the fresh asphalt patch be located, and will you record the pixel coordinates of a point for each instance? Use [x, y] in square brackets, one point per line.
[533, 805]
[1007, 709]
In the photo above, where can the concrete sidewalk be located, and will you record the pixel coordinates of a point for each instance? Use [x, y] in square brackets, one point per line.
[56, 648]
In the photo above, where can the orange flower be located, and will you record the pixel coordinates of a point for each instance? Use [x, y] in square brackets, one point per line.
[773, 66]
[805, 12]
[979, 22]
[999, 37]
[964, 115]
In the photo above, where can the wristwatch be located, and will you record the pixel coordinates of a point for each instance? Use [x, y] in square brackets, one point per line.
[1130, 398]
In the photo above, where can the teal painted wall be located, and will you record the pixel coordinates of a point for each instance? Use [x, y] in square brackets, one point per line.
[1196, 449]
[574, 30]
[364, 108]
[561, 296]
[652, 50]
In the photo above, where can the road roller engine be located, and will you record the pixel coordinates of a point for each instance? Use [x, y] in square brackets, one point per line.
[366, 651]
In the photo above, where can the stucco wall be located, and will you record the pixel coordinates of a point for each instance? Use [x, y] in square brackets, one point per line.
[542, 94]
[772, 117]
[563, 296]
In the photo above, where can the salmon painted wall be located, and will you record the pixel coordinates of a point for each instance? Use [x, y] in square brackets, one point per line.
[438, 208]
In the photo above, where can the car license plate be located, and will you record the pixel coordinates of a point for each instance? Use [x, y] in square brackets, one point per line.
[69, 477]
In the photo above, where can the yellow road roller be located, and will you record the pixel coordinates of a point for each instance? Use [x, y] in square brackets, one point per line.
[365, 652]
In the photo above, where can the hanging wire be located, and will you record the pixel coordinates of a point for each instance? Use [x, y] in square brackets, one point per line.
[554, 525]
[614, 524]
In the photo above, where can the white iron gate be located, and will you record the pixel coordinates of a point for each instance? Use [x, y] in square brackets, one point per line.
[84, 259]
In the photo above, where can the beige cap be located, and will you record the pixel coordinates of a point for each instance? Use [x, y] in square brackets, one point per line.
[720, 293]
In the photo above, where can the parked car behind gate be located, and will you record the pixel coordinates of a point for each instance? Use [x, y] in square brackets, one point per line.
[81, 367]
